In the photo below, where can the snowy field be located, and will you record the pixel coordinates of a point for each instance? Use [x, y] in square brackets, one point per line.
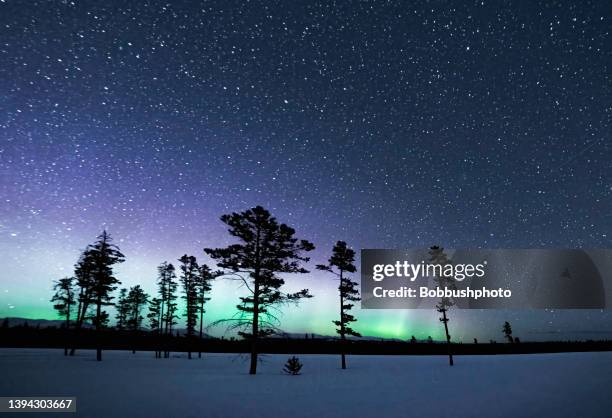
[125, 385]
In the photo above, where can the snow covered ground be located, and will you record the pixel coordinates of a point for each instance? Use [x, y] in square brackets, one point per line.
[125, 385]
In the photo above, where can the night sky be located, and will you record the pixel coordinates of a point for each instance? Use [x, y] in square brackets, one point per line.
[384, 124]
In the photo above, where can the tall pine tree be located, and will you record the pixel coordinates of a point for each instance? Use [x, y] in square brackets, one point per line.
[507, 330]
[167, 288]
[265, 250]
[64, 300]
[85, 283]
[189, 279]
[154, 315]
[100, 257]
[437, 256]
[340, 264]
[136, 301]
[204, 286]
[166, 275]
[123, 309]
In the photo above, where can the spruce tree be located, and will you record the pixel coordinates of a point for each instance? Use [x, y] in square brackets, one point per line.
[340, 264]
[265, 250]
[154, 314]
[85, 283]
[136, 301]
[154, 317]
[100, 258]
[293, 366]
[171, 317]
[64, 299]
[437, 256]
[166, 276]
[167, 288]
[204, 286]
[507, 330]
[123, 309]
[189, 279]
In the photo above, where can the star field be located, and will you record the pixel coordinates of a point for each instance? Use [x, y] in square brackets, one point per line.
[385, 124]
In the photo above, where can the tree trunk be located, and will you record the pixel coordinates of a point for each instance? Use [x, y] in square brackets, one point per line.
[166, 338]
[255, 327]
[160, 326]
[253, 366]
[448, 342]
[201, 318]
[79, 321]
[67, 331]
[342, 336]
[255, 331]
[82, 311]
[77, 331]
[98, 329]
[190, 326]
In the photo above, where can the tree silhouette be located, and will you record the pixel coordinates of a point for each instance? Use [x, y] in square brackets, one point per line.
[99, 259]
[154, 315]
[123, 309]
[265, 249]
[189, 279]
[438, 257]
[204, 286]
[340, 264]
[167, 287]
[507, 330]
[85, 283]
[293, 366]
[64, 300]
[136, 301]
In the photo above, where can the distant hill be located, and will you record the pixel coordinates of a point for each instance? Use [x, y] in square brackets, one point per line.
[42, 323]
[297, 335]
[57, 323]
[46, 323]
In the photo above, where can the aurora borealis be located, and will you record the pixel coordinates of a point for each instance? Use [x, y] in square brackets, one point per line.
[387, 125]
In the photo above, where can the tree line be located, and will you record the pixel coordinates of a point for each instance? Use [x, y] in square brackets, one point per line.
[265, 250]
